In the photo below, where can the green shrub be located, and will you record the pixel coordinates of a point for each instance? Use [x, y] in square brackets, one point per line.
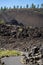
[2, 22]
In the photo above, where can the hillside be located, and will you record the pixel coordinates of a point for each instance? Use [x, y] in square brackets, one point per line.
[31, 17]
[21, 37]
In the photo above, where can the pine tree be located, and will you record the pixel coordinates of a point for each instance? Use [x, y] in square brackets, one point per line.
[33, 6]
[2, 8]
[27, 6]
[38, 6]
[14, 7]
[42, 5]
[17, 6]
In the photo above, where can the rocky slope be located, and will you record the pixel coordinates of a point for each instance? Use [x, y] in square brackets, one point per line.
[20, 37]
[31, 17]
[15, 35]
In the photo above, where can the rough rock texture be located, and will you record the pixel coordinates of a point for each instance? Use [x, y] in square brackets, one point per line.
[20, 37]
[35, 56]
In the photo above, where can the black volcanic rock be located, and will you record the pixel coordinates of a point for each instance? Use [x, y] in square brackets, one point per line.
[13, 22]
